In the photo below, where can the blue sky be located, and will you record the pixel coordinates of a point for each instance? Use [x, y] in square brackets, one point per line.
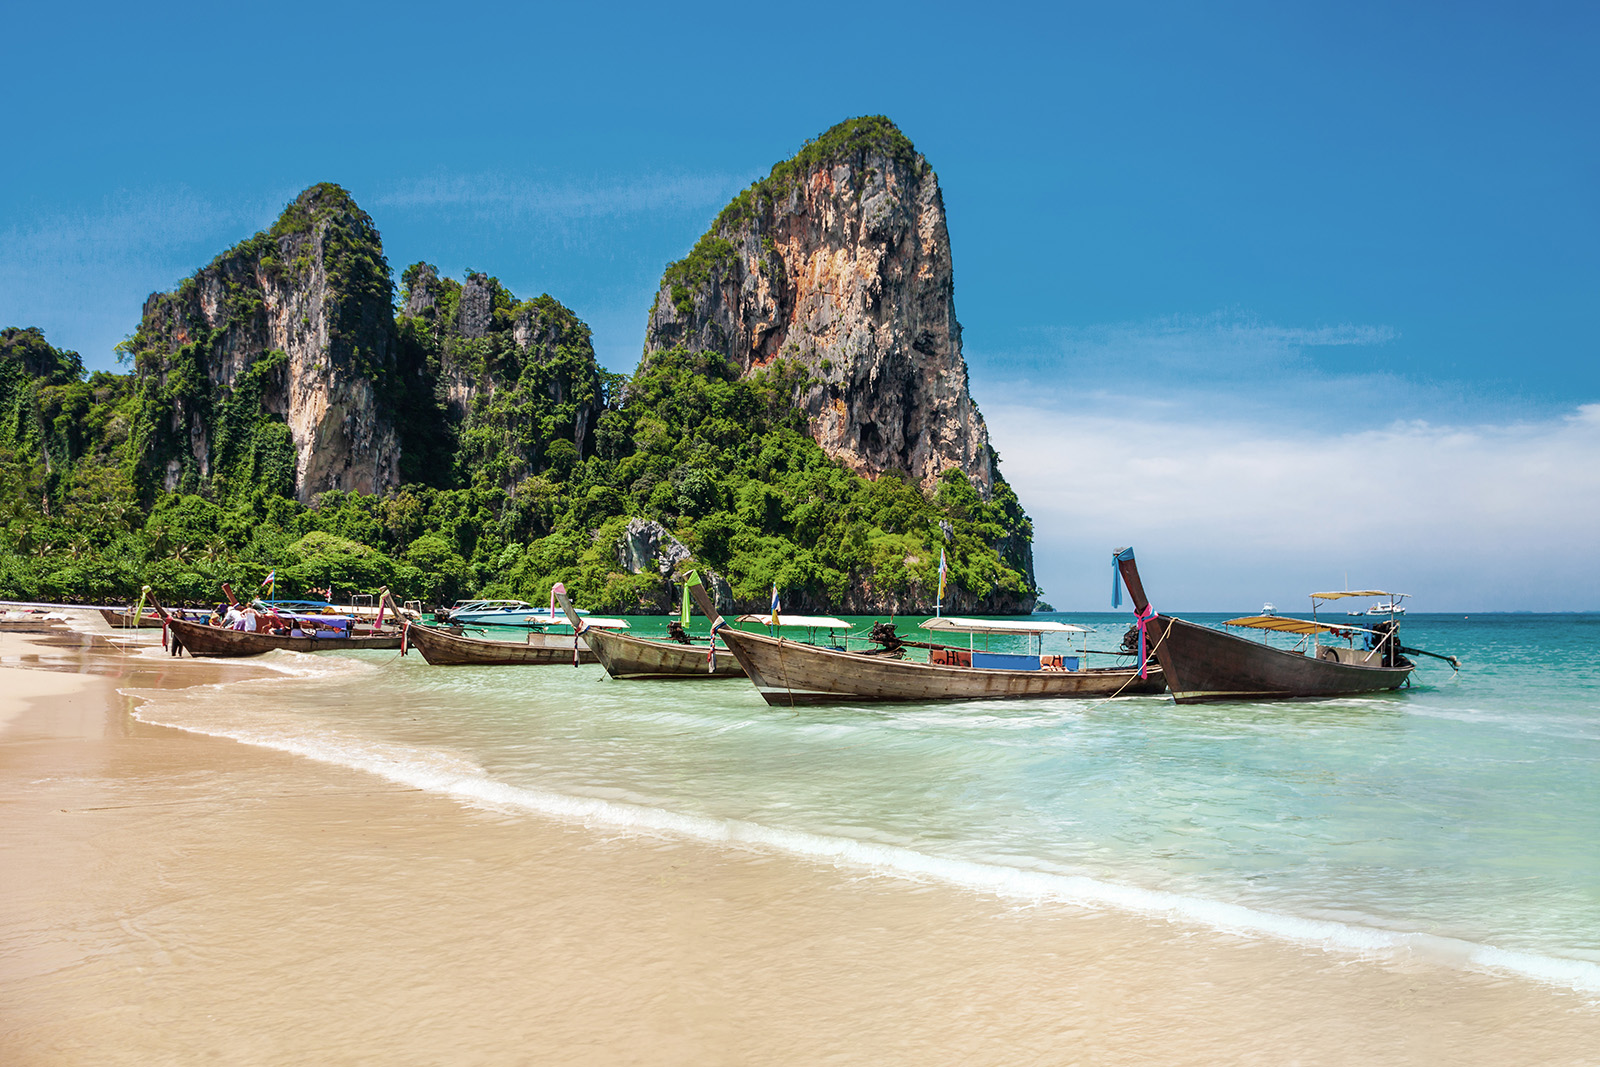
[1235, 247]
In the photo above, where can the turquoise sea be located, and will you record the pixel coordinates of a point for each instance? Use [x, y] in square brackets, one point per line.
[1458, 819]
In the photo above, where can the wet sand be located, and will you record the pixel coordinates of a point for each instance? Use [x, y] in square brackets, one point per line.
[171, 898]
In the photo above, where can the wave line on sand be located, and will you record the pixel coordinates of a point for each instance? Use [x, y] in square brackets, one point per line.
[464, 781]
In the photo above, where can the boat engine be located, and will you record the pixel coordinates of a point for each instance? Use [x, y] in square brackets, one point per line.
[883, 633]
[1387, 634]
[1130, 641]
[676, 631]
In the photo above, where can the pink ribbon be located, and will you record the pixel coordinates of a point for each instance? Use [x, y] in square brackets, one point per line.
[1144, 617]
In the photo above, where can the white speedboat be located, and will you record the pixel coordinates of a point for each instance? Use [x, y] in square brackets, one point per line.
[505, 613]
[1393, 607]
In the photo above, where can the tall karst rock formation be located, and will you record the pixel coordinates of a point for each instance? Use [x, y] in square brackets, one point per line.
[508, 379]
[840, 260]
[275, 365]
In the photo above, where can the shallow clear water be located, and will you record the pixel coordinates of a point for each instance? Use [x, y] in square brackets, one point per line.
[1460, 817]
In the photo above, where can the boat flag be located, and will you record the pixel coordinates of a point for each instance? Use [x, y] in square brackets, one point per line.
[944, 572]
[776, 606]
[271, 577]
[271, 582]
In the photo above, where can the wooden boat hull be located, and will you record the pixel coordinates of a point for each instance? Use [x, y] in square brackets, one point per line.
[624, 656]
[787, 672]
[125, 620]
[1205, 665]
[199, 639]
[122, 619]
[444, 649]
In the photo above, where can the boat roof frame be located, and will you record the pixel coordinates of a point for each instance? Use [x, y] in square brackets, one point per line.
[956, 624]
[797, 622]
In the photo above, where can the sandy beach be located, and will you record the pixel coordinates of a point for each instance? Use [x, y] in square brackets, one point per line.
[173, 898]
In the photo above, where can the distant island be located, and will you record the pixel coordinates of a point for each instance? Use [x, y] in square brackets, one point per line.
[800, 417]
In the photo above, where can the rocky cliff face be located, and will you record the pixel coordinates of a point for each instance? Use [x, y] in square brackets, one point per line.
[840, 260]
[510, 378]
[272, 364]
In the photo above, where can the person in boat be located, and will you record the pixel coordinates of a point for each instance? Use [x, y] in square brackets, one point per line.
[232, 617]
[216, 617]
[249, 620]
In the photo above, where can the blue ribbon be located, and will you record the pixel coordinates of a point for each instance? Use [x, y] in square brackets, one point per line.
[1116, 575]
[711, 656]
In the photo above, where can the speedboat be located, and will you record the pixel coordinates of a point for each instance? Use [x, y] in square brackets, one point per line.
[1393, 607]
[505, 613]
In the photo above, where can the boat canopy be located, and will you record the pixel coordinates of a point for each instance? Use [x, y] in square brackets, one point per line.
[1356, 592]
[541, 617]
[1001, 626]
[804, 622]
[295, 616]
[1285, 625]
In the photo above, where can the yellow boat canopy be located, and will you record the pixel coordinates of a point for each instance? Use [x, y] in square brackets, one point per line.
[1355, 592]
[1285, 626]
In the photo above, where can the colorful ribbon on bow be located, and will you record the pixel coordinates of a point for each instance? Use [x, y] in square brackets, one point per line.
[1116, 575]
[1144, 617]
[576, 631]
[711, 654]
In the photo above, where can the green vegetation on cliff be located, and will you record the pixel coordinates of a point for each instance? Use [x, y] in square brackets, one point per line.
[713, 253]
[721, 461]
[520, 461]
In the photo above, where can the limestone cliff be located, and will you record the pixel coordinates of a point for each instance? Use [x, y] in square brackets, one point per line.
[511, 381]
[840, 260]
[274, 365]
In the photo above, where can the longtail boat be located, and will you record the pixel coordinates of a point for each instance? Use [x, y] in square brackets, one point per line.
[149, 619]
[320, 633]
[125, 619]
[628, 657]
[199, 639]
[1203, 664]
[789, 672]
[444, 648]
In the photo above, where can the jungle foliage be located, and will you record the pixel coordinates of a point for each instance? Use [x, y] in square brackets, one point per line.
[722, 461]
[522, 462]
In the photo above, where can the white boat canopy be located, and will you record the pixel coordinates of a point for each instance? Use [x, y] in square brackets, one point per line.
[806, 622]
[1001, 626]
[1356, 592]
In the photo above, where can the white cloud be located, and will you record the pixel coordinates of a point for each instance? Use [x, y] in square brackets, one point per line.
[1222, 339]
[511, 198]
[1230, 513]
